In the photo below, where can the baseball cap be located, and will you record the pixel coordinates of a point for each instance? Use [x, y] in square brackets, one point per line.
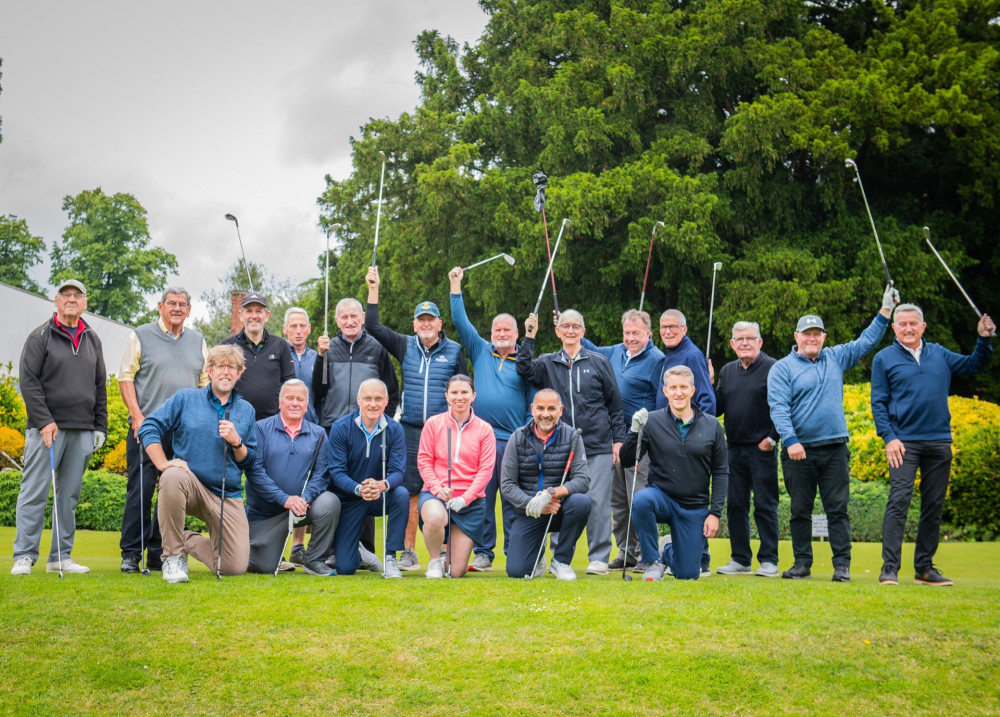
[810, 321]
[74, 283]
[427, 307]
[253, 298]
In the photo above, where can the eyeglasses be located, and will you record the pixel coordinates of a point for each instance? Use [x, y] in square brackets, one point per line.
[176, 304]
[571, 327]
[72, 295]
[745, 340]
[225, 367]
[671, 328]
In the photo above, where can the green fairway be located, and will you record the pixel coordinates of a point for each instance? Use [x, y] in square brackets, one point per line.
[108, 643]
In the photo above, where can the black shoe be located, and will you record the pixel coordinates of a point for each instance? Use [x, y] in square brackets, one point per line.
[298, 555]
[841, 574]
[619, 563]
[888, 577]
[931, 576]
[797, 572]
[154, 562]
[130, 564]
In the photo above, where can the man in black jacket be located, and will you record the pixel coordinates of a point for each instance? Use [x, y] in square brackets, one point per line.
[688, 476]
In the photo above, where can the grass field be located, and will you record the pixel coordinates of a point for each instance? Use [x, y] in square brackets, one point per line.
[107, 643]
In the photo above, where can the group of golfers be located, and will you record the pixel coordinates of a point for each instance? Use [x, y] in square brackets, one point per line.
[611, 440]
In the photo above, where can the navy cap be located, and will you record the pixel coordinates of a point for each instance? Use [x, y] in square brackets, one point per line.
[427, 307]
[254, 298]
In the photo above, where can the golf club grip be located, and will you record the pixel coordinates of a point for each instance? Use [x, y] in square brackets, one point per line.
[449, 456]
[326, 368]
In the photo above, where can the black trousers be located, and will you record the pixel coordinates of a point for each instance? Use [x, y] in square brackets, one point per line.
[130, 542]
[752, 470]
[827, 468]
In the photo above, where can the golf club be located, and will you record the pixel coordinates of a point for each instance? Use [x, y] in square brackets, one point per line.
[506, 257]
[246, 266]
[649, 258]
[927, 236]
[569, 462]
[55, 506]
[549, 270]
[378, 214]
[326, 303]
[15, 463]
[292, 518]
[142, 522]
[628, 524]
[448, 574]
[541, 183]
[222, 503]
[385, 548]
[711, 307]
[850, 163]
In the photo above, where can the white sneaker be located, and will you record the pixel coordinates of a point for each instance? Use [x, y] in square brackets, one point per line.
[539, 570]
[734, 568]
[369, 561]
[562, 571]
[767, 570]
[597, 567]
[173, 569]
[68, 566]
[184, 563]
[22, 566]
[435, 568]
[391, 568]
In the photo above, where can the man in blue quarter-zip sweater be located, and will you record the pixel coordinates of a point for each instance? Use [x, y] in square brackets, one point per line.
[805, 391]
[910, 382]
[502, 400]
[591, 402]
[428, 359]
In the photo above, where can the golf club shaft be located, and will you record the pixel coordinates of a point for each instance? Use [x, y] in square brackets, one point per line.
[549, 269]
[927, 237]
[569, 463]
[649, 259]
[15, 463]
[545, 227]
[142, 521]
[385, 548]
[55, 506]
[378, 213]
[885, 266]
[449, 500]
[711, 308]
[291, 515]
[628, 523]
[222, 503]
[246, 267]
[486, 261]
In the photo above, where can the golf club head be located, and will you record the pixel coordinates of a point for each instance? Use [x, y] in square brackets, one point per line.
[927, 233]
[626, 577]
[382, 155]
[717, 265]
[509, 259]
[657, 226]
[850, 164]
[336, 227]
[146, 572]
[566, 221]
[232, 218]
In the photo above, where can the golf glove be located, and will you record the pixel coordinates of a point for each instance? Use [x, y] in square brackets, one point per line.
[537, 504]
[456, 504]
[639, 419]
[99, 438]
[890, 298]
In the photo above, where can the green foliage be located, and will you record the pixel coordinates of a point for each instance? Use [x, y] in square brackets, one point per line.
[117, 423]
[19, 252]
[107, 247]
[12, 410]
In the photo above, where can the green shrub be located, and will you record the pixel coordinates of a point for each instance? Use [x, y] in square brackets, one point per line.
[12, 412]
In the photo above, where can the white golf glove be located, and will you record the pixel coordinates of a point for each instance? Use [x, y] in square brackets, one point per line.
[639, 419]
[456, 504]
[99, 438]
[537, 504]
[890, 298]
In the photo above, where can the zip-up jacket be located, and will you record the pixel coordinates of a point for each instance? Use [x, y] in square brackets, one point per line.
[266, 369]
[588, 390]
[694, 471]
[348, 366]
[502, 396]
[638, 376]
[473, 455]
[425, 370]
[304, 365]
[281, 465]
[910, 400]
[61, 384]
[356, 456]
[530, 466]
[807, 397]
[741, 396]
[687, 354]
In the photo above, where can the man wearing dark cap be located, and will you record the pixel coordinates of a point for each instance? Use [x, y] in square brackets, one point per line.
[805, 391]
[428, 359]
[268, 358]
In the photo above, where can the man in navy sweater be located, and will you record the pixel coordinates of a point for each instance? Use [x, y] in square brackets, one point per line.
[910, 382]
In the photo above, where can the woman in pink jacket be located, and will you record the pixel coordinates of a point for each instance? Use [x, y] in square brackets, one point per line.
[452, 507]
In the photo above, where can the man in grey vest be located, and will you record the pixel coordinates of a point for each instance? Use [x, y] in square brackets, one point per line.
[160, 358]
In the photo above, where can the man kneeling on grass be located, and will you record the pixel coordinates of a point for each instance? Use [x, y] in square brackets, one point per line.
[289, 477]
[531, 481]
[214, 440]
[688, 478]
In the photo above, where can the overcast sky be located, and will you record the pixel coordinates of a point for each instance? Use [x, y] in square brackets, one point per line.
[203, 108]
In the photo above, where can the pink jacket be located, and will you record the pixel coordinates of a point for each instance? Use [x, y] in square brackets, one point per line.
[474, 451]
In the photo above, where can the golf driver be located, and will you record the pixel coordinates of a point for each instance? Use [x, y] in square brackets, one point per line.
[222, 503]
[378, 214]
[628, 524]
[448, 574]
[649, 258]
[711, 307]
[142, 522]
[541, 183]
[506, 257]
[326, 303]
[549, 270]
[385, 547]
[569, 462]
[55, 506]
[293, 519]
[246, 266]
[927, 236]
[850, 163]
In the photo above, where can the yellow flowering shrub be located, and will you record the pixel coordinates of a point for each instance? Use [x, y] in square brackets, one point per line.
[11, 443]
[114, 461]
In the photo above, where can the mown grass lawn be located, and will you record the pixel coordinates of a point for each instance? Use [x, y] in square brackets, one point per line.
[107, 643]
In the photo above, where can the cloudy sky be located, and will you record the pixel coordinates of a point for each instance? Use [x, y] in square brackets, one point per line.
[203, 108]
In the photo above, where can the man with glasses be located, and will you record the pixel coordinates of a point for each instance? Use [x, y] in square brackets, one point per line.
[741, 396]
[296, 330]
[160, 358]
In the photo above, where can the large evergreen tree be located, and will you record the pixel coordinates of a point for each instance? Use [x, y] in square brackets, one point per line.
[19, 252]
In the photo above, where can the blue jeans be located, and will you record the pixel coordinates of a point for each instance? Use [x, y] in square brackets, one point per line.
[527, 535]
[652, 505]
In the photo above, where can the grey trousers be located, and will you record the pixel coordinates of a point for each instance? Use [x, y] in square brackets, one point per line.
[267, 537]
[72, 453]
[599, 522]
[621, 503]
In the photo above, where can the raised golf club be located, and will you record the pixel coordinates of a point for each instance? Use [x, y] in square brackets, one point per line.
[293, 519]
[850, 163]
[541, 183]
[569, 463]
[506, 257]
[628, 524]
[979, 314]
[378, 214]
[649, 258]
[246, 266]
[326, 301]
[448, 573]
[142, 522]
[549, 270]
[55, 506]
[711, 306]
[222, 504]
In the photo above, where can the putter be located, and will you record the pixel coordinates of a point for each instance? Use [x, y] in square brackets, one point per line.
[628, 524]
[927, 236]
[385, 547]
[850, 163]
[55, 506]
[448, 574]
[246, 266]
[292, 518]
[222, 504]
[142, 522]
[649, 258]
[569, 462]
[506, 257]
[541, 183]
[549, 270]
[711, 308]
[326, 304]
[378, 214]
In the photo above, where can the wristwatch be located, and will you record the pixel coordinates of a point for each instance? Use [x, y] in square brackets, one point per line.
[552, 492]
[357, 490]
